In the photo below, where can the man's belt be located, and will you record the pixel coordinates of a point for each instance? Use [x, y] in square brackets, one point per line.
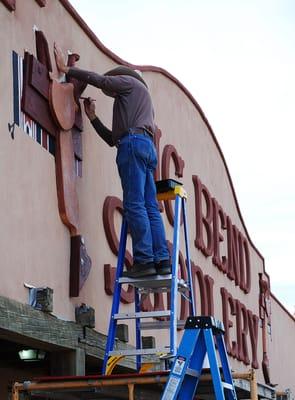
[141, 131]
[136, 131]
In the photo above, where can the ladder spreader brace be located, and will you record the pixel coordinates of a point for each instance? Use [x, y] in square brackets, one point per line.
[167, 190]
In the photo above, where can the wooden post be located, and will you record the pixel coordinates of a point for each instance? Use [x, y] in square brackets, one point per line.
[253, 385]
[15, 392]
[68, 363]
[130, 391]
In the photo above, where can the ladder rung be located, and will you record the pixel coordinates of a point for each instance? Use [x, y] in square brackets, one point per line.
[227, 386]
[142, 314]
[154, 290]
[160, 324]
[137, 352]
[182, 288]
[155, 282]
[148, 282]
[192, 372]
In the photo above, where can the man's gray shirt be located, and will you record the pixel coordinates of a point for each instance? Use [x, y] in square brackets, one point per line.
[132, 105]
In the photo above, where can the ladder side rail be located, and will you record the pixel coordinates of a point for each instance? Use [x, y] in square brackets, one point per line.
[188, 259]
[180, 365]
[174, 283]
[213, 361]
[190, 383]
[225, 364]
[116, 294]
[137, 328]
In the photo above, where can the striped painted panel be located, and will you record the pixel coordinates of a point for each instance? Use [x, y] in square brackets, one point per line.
[30, 127]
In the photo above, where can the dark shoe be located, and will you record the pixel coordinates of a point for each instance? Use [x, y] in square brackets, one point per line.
[140, 271]
[163, 267]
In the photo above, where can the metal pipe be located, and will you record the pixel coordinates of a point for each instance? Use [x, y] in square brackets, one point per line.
[235, 375]
[130, 381]
[249, 376]
[80, 384]
[242, 375]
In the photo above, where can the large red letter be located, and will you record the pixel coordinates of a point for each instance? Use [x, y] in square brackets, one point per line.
[111, 205]
[203, 220]
[219, 221]
[169, 153]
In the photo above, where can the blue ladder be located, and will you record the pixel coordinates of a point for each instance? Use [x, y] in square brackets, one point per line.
[170, 190]
[197, 341]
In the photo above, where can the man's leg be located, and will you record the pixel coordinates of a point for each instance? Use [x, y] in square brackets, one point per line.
[160, 248]
[132, 158]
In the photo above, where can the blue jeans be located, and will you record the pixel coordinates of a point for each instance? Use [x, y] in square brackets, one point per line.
[136, 161]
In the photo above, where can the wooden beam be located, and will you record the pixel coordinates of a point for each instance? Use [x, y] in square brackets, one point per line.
[21, 319]
[23, 324]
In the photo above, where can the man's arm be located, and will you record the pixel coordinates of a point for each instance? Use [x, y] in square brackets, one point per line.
[103, 131]
[100, 128]
[115, 84]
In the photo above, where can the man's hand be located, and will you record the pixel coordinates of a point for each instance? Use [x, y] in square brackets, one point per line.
[89, 107]
[59, 59]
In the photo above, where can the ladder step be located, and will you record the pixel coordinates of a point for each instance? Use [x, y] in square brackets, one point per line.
[182, 287]
[154, 282]
[227, 385]
[143, 314]
[160, 324]
[138, 352]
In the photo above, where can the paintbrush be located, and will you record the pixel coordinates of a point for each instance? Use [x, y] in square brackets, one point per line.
[86, 98]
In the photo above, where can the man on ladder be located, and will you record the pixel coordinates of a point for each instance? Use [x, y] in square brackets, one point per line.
[132, 132]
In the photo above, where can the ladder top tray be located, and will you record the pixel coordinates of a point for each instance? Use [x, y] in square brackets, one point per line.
[167, 185]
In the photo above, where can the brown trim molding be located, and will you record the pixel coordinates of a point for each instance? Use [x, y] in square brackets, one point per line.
[9, 4]
[42, 3]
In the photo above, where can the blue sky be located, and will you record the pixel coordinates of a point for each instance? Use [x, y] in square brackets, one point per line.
[237, 58]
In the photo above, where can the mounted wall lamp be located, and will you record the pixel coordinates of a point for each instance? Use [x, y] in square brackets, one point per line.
[32, 355]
